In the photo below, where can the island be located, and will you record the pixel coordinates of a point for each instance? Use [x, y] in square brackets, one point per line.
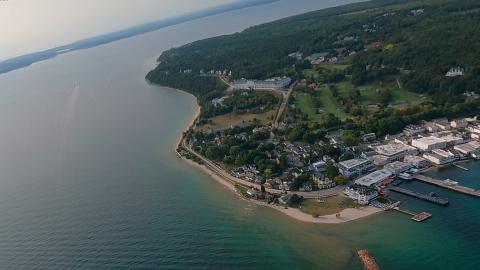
[323, 115]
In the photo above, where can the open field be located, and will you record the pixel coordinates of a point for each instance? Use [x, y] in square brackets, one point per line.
[330, 206]
[232, 119]
[369, 93]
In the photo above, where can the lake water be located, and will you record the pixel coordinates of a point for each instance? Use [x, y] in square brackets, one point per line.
[88, 179]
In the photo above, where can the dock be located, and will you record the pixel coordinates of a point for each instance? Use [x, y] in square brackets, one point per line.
[425, 197]
[460, 167]
[416, 217]
[368, 261]
[447, 185]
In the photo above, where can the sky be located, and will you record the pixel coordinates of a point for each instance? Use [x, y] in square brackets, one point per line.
[34, 25]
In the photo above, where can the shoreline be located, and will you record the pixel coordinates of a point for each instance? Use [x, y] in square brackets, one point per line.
[346, 215]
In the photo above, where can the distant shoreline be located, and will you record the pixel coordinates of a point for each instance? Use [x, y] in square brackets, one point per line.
[28, 59]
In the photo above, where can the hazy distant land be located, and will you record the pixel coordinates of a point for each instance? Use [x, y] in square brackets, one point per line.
[28, 59]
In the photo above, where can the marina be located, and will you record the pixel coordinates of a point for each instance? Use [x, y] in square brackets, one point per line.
[448, 184]
[426, 197]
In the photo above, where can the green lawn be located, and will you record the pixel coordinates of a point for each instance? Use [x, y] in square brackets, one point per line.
[369, 95]
[329, 105]
[305, 103]
[332, 205]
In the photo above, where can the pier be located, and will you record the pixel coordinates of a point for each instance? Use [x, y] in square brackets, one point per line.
[368, 261]
[460, 167]
[425, 197]
[447, 185]
[416, 217]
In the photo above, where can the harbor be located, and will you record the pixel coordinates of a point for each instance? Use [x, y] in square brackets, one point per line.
[431, 197]
[414, 216]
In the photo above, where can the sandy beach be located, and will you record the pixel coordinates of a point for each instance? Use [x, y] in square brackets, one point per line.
[346, 215]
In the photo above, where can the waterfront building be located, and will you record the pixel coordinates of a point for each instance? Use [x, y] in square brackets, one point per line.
[355, 167]
[429, 143]
[361, 194]
[374, 178]
[468, 148]
[395, 151]
[440, 157]
[323, 182]
[416, 161]
[398, 167]
[452, 140]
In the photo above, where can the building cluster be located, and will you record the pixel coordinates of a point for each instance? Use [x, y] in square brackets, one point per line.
[276, 83]
[431, 143]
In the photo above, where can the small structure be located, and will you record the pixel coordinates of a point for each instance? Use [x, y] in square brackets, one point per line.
[455, 72]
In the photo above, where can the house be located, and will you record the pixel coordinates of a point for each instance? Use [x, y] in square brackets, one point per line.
[284, 199]
[417, 12]
[317, 57]
[361, 194]
[323, 182]
[377, 44]
[455, 72]
[319, 166]
[296, 55]
[355, 167]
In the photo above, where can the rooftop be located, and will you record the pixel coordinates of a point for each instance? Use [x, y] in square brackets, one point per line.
[373, 178]
[392, 149]
[353, 162]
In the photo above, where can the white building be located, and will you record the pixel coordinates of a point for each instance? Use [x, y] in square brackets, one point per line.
[373, 178]
[319, 166]
[429, 143]
[363, 195]
[455, 72]
[468, 148]
[416, 161]
[452, 140]
[395, 151]
[269, 84]
[439, 156]
[398, 167]
[355, 167]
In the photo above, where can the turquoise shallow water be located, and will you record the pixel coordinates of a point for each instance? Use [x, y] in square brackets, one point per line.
[88, 179]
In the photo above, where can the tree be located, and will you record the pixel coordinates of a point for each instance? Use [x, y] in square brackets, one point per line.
[331, 171]
[349, 138]
[340, 180]
[294, 200]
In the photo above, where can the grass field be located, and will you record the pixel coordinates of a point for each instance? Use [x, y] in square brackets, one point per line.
[369, 93]
[330, 206]
[232, 119]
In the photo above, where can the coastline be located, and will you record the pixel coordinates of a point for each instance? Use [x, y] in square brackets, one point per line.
[346, 215]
